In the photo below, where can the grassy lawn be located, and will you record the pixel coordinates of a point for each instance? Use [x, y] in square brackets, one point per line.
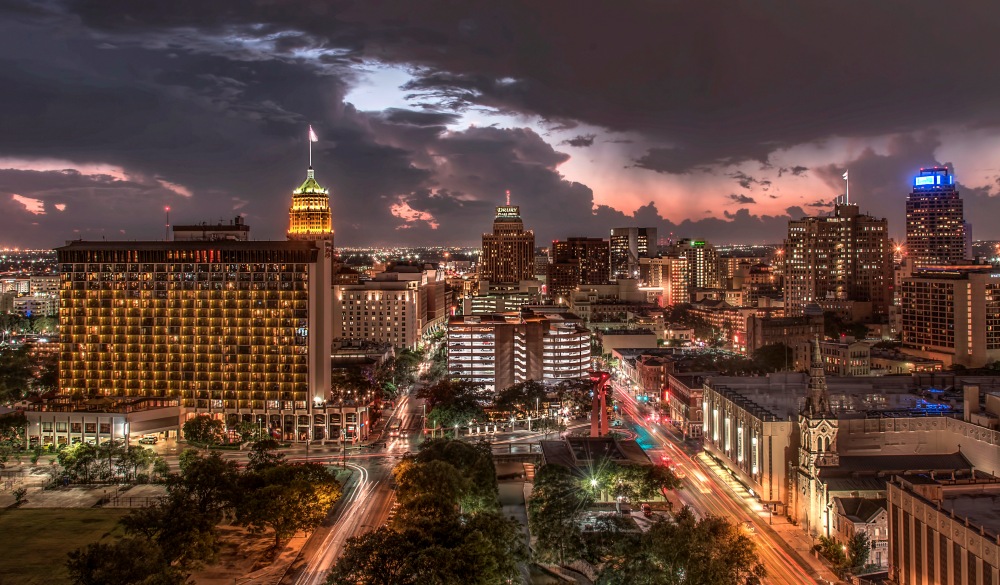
[37, 540]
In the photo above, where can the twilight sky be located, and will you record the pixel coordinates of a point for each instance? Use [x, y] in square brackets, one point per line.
[715, 119]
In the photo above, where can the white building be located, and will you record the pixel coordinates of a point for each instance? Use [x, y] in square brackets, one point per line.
[38, 305]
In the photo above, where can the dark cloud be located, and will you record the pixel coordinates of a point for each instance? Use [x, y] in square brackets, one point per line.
[581, 141]
[742, 199]
[795, 171]
[214, 97]
[418, 118]
[820, 203]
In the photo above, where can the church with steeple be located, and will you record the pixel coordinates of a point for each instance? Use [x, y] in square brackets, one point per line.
[817, 449]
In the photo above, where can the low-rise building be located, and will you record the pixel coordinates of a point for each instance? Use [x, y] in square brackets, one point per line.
[100, 419]
[752, 441]
[846, 358]
[868, 516]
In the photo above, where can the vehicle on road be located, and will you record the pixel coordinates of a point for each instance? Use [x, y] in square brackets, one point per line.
[148, 440]
[394, 428]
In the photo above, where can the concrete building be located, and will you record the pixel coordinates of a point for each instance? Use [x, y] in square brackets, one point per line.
[399, 306]
[627, 246]
[944, 529]
[44, 284]
[847, 257]
[794, 332]
[935, 220]
[40, 305]
[702, 263]
[577, 261]
[500, 350]
[886, 362]
[952, 313]
[235, 230]
[669, 273]
[509, 252]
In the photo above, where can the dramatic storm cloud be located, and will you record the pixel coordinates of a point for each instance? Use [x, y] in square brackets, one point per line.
[716, 120]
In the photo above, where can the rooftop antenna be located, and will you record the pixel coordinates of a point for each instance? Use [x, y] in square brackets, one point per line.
[166, 228]
[847, 195]
[312, 138]
[508, 197]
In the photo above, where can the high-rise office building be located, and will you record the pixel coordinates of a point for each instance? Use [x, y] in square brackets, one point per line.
[509, 252]
[669, 273]
[702, 260]
[628, 245]
[846, 257]
[577, 261]
[935, 220]
[309, 217]
[236, 329]
[952, 314]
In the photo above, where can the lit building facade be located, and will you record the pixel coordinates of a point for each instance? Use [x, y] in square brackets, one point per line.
[935, 220]
[509, 252]
[577, 261]
[228, 328]
[846, 257]
[309, 217]
[702, 263]
[627, 246]
[503, 349]
[952, 314]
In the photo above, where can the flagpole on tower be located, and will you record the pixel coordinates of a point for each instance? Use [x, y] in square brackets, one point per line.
[312, 138]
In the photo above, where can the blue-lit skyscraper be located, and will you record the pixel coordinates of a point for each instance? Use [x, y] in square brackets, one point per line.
[935, 220]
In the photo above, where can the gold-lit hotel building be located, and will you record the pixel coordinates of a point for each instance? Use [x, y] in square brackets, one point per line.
[239, 329]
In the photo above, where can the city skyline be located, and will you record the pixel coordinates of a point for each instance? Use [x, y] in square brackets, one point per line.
[425, 120]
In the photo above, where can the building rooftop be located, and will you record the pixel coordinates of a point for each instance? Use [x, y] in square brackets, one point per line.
[861, 509]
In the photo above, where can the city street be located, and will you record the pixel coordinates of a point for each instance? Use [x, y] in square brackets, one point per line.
[708, 491]
[368, 496]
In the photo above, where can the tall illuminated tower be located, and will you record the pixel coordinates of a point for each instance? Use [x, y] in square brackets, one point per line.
[309, 217]
[935, 220]
[509, 252]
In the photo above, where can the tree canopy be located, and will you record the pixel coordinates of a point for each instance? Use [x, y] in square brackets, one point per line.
[448, 528]
[685, 551]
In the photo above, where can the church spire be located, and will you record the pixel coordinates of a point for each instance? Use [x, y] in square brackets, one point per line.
[818, 400]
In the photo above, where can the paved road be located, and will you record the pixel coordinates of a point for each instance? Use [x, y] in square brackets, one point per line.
[368, 497]
[708, 493]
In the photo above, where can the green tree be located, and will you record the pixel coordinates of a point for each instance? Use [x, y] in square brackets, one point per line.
[686, 551]
[79, 462]
[184, 536]
[521, 398]
[16, 373]
[210, 482]
[203, 430]
[858, 550]
[126, 562]
[263, 454]
[286, 498]
[775, 357]
[378, 557]
[555, 511]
